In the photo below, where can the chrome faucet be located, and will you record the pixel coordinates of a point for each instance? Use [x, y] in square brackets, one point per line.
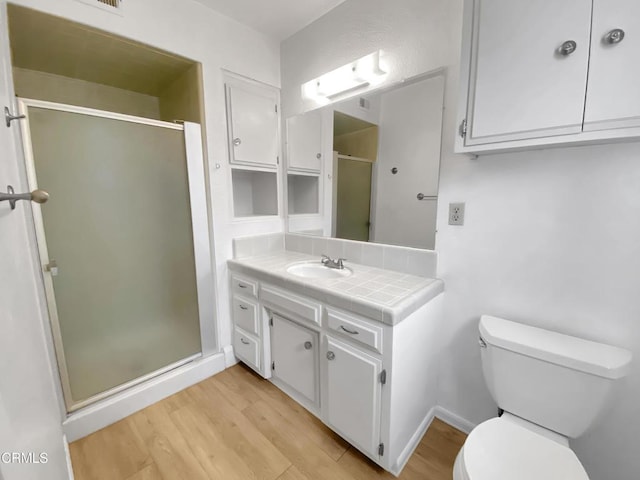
[327, 261]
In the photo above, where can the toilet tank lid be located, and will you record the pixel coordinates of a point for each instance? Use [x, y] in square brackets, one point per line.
[571, 352]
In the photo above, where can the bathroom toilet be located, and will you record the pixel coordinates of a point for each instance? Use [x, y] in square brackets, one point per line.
[552, 387]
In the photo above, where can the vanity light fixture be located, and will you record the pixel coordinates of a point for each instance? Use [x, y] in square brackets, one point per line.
[358, 74]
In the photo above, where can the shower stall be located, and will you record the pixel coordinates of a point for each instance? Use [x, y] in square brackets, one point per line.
[124, 245]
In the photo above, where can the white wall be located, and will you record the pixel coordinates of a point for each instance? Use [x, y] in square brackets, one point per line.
[414, 35]
[550, 237]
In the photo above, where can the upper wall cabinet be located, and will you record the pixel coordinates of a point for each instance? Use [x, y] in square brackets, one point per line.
[252, 119]
[304, 142]
[613, 93]
[542, 73]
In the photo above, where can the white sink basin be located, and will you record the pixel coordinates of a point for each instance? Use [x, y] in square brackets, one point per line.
[317, 270]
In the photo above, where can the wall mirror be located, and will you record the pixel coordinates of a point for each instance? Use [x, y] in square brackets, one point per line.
[367, 168]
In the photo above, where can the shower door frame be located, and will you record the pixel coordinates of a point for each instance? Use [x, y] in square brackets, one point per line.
[204, 265]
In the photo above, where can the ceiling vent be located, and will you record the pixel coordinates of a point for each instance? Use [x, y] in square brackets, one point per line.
[114, 6]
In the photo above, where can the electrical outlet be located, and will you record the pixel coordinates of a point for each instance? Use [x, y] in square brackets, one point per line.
[456, 214]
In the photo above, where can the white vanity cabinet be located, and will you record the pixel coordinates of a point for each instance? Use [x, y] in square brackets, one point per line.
[353, 394]
[371, 382]
[294, 357]
[249, 320]
[543, 73]
[304, 142]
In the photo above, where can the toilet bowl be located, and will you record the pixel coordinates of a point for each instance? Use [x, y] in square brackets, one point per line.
[500, 449]
[552, 387]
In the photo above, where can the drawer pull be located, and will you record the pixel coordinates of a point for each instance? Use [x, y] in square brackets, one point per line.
[245, 342]
[243, 307]
[242, 285]
[350, 332]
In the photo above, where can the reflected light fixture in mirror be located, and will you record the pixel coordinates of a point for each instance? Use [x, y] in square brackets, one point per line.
[358, 74]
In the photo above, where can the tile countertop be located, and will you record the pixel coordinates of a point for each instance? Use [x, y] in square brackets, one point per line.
[382, 295]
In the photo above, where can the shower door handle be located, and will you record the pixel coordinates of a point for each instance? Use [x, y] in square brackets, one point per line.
[52, 268]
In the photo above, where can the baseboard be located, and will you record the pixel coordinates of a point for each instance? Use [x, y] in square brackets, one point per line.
[68, 455]
[413, 443]
[454, 420]
[105, 412]
[229, 358]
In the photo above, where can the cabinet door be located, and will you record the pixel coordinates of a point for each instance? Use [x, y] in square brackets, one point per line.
[294, 352]
[304, 141]
[353, 395]
[613, 93]
[521, 85]
[253, 125]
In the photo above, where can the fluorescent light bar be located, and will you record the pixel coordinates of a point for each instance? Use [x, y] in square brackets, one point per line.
[355, 75]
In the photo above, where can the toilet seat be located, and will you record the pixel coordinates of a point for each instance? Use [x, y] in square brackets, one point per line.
[498, 449]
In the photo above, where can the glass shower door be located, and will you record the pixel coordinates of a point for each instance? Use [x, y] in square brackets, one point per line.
[117, 243]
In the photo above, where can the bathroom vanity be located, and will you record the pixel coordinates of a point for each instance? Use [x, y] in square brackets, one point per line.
[356, 347]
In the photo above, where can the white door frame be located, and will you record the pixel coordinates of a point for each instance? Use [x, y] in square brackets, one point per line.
[205, 269]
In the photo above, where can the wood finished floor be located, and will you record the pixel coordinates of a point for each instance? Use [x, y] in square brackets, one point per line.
[236, 425]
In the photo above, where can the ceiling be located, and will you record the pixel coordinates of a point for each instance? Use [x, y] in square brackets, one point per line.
[54, 45]
[276, 18]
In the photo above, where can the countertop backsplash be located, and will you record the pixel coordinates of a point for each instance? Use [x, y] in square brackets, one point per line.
[408, 260]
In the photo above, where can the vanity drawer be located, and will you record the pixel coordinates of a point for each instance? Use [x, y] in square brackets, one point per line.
[246, 314]
[244, 285]
[302, 307]
[246, 348]
[360, 331]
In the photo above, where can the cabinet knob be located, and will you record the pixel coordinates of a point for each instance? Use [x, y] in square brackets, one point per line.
[614, 36]
[567, 48]
[331, 355]
[308, 345]
[318, 156]
[237, 141]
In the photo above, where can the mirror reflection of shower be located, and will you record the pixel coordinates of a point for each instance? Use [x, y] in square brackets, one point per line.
[355, 150]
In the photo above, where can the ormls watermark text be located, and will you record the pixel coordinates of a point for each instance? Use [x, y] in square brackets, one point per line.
[23, 457]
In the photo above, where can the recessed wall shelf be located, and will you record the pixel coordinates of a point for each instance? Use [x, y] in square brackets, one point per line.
[303, 194]
[255, 193]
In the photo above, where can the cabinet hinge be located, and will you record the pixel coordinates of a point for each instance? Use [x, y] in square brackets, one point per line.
[381, 449]
[278, 160]
[273, 365]
[463, 128]
[271, 321]
[276, 108]
[383, 377]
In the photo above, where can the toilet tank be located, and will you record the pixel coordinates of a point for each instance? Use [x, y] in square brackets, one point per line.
[557, 381]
